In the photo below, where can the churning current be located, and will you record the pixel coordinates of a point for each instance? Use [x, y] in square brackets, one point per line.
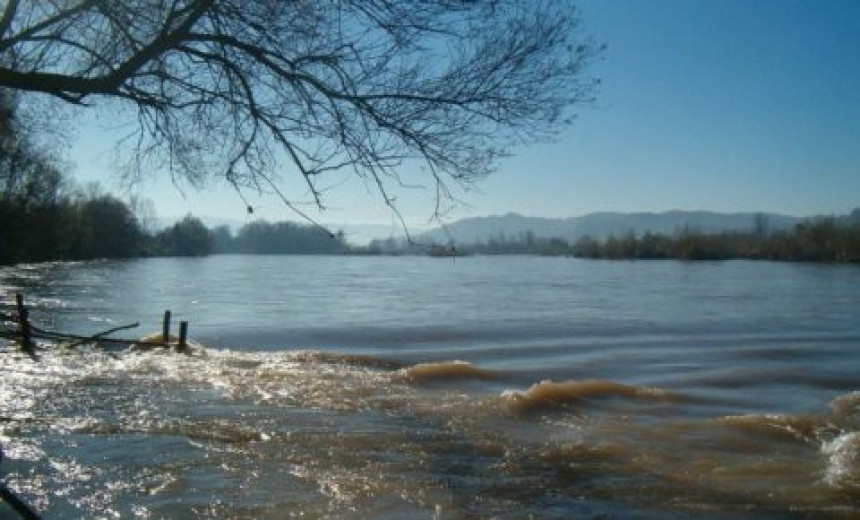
[412, 387]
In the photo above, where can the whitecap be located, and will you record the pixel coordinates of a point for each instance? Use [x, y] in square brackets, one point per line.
[846, 405]
[843, 461]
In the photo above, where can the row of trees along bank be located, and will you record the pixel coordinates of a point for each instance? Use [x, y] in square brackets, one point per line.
[820, 240]
[831, 239]
[44, 216]
[77, 226]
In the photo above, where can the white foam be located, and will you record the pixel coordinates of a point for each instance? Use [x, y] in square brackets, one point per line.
[846, 405]
[843, 461]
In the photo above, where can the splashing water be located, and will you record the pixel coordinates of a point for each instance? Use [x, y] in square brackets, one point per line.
[546, 419]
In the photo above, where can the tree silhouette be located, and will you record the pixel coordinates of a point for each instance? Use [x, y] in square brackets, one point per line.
[188, 237]
[238, 89]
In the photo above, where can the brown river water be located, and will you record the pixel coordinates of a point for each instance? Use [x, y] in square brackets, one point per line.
[512, 387]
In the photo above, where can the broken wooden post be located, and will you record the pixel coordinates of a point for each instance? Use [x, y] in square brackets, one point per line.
[24, 325]
[183, 336]
[165, 334]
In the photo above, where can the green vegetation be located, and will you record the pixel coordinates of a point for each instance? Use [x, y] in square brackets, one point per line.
[70, 226]
[282, 238]
[821, 240]
[45, 217]
[818, 240]
[188, 237]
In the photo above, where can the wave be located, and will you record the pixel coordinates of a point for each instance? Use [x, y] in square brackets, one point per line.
[778, 425]
[843, 409]
[335, 358]
[829, 379]
[221, 431]
[551, 394]
[443, 371]
[353, 426]
[833, 435]
[846, 405]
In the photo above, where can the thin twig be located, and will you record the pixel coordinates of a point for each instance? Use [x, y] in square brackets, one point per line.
[96, 337]
[46, 334]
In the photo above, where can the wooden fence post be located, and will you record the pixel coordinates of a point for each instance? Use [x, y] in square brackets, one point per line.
[24, 325]
[183, 336]
[165, 334]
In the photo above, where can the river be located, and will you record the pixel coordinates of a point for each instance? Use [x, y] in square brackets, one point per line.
[412, 387]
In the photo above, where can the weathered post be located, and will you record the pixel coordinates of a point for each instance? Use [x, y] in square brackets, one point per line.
[24, 325]
[165, 331]
[183, 336]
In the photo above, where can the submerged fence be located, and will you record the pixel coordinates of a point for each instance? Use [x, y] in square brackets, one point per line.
[15, 325]
[24, 333]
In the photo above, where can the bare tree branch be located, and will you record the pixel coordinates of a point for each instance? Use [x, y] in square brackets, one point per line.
[8, 16]
[240, 90]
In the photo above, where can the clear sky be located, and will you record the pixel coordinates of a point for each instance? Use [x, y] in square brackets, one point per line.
[723, 105]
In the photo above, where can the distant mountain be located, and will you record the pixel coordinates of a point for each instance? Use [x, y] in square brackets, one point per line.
[604, 224]
[477, 229]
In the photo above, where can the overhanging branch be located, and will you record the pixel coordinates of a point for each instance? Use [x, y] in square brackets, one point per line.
[238, 89]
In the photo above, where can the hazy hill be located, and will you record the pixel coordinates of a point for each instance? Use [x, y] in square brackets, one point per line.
[602, 225]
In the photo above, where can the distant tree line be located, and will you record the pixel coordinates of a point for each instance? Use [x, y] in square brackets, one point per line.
[502, 244]
[44, 216]
[279, 238]
[818, 240]
[821, 240]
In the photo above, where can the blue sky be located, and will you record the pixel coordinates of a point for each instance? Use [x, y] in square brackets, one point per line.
[723, 105]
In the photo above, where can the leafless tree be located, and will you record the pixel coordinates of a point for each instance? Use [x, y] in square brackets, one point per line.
[239, 89]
